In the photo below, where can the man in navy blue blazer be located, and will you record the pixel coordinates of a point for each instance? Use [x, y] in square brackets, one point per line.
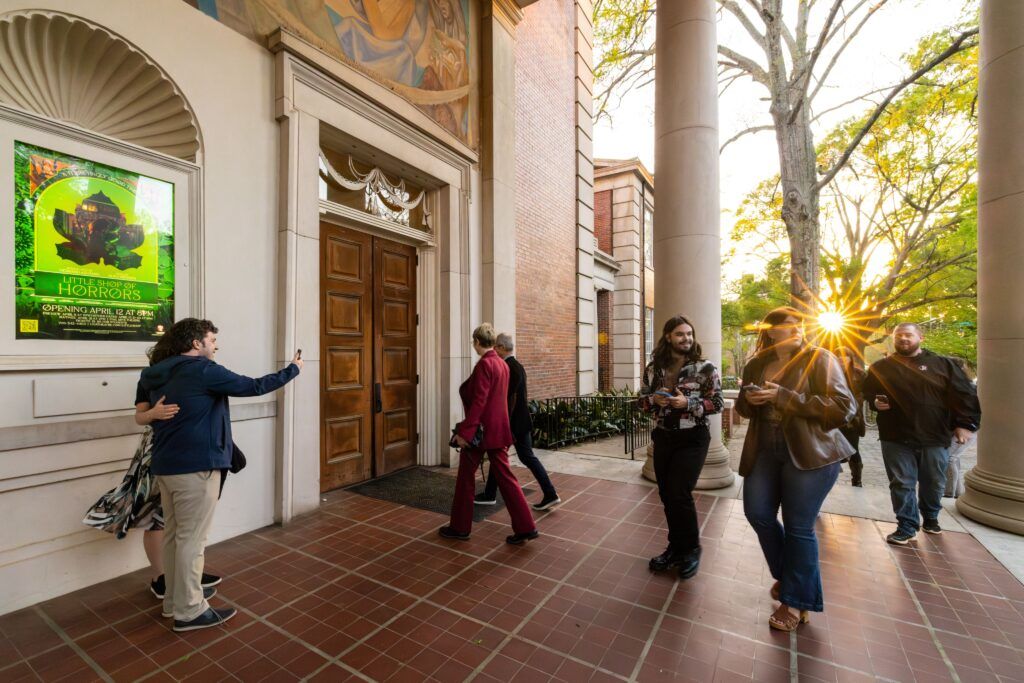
[190, 452]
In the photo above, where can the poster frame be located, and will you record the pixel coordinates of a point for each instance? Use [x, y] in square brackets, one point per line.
[29, 354]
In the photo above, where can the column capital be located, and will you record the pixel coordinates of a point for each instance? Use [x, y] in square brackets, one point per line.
[508, 12]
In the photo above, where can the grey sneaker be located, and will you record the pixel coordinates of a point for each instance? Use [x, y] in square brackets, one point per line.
[211, 617]
[900, 537]
[931, 526]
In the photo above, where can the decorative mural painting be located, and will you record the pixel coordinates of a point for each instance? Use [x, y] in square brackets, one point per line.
[93, 249]
[418, 48]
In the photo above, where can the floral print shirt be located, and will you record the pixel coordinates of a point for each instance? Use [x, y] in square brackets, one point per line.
[698, 381]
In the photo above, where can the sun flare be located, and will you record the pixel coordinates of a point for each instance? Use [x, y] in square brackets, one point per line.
[831, 322]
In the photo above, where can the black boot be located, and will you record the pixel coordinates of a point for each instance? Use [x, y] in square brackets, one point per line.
[856, 468]
[666, 560]
[691, 562]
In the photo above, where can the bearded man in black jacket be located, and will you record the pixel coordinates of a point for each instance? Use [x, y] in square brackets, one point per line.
[924, 401]
[522, 428]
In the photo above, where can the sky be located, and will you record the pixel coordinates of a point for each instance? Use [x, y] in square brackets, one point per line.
[873, 60]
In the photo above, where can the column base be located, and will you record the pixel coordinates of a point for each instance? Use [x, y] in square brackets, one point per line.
[993, 500]
[715, 474]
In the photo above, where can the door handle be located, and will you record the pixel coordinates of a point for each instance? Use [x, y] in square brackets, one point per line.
[378, 406]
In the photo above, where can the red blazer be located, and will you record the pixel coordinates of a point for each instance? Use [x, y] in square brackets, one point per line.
[485, 400]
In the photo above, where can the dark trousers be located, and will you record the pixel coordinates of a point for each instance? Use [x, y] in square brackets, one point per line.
[854, 439]
[524, 451]
[790, 548]
[679, 455]
[917, 480]
[462, 505]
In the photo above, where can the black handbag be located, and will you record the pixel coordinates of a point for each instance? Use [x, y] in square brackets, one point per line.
[237, 459]
[475, 442]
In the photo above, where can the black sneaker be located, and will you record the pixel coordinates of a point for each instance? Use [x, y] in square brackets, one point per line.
[688, 567]
[207, 594]
[159, 587]
[546, 503]
[931, 526]
[211, 617]
[901, 537]
[668, 559]
[448, 532]
[482, 499]
[519, 539]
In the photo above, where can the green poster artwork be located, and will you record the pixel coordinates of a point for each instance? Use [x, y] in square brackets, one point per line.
[93, 249]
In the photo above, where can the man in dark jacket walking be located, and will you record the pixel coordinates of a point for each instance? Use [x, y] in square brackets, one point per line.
[522, 428]
[190, 453]
[924, 401]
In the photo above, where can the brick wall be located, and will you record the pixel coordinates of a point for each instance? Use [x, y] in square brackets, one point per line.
[603, 220]
[545, 151]
[605, 341]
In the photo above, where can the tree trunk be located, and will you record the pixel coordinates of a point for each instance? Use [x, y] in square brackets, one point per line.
[797, 164]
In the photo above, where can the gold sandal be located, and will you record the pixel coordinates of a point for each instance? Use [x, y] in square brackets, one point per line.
[789, 621]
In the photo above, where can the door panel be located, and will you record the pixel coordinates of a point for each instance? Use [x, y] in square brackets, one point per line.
[395, 357]
[368, 347]
[346, 286]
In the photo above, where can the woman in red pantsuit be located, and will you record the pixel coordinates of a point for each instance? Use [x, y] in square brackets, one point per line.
[485, 400]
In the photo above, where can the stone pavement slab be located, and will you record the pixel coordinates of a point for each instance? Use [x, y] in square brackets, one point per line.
[365, 590]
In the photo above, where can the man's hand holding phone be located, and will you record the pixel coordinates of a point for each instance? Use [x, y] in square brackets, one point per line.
[298, 359]
[661, 398]
[882, 402]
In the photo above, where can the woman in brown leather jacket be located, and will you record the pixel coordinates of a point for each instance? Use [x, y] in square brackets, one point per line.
[796, 397]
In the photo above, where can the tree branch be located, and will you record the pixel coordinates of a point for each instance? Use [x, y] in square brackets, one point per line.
[747, 131]
[744, 20]
[821, 80]
[751, 67]
[805, 73]
[956, 46]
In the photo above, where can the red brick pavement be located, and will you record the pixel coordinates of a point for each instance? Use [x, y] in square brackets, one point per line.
[364, 589]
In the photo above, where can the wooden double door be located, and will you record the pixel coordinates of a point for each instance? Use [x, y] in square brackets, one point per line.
[368, 351]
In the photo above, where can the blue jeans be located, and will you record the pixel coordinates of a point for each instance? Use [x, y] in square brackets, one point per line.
[524, 451]
[790, 548]
[917, 480]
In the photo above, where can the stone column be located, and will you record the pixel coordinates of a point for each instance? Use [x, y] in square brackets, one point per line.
[686, 222]
[497, 161]
[995, 487]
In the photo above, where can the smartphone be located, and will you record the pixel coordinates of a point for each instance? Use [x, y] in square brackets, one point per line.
[881, 398]
[662, 392]
[750, 387]
[298, 354]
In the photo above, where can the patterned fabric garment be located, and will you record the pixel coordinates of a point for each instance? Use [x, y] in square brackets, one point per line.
[135, 502]
[698, 381]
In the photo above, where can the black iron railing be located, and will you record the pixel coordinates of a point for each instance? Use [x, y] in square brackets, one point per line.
[638, 430]
[566, 420]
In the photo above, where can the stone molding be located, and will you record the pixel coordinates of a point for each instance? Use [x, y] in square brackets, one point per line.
[73, 431]
[50, 56]
[508, 12]
[316, 94]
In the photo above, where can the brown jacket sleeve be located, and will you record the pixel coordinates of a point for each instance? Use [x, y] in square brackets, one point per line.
[824, 397]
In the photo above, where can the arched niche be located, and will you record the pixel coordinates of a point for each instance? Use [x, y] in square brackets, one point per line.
[65, 68]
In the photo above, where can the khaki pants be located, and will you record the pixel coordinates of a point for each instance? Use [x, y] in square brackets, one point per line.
[188, 501]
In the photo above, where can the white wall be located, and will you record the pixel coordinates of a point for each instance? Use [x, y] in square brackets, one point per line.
[228, 80]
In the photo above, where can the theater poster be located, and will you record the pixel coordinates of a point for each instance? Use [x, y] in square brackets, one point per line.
[93, 249]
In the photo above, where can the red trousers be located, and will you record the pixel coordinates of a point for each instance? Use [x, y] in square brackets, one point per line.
[465, 489]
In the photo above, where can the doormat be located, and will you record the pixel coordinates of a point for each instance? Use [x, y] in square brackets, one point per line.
[425, 489]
